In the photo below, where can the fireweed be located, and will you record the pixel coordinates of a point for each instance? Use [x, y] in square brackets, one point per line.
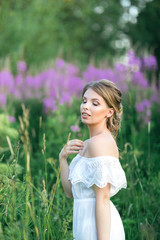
[59, 84]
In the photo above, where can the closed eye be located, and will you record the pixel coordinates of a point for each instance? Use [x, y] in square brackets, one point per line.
[95, 104]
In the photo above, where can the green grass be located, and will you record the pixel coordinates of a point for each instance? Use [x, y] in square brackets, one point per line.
[32, 202]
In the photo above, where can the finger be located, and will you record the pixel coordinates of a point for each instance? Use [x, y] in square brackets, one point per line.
[75, 148]
[76, 140]
[76, 143]
[70, 152]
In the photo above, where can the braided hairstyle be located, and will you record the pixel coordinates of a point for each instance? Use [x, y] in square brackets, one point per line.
[112, 96]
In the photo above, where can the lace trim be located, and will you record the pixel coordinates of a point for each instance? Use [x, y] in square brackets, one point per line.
[99, 171]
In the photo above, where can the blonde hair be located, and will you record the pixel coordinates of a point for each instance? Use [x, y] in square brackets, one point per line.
[112, 96]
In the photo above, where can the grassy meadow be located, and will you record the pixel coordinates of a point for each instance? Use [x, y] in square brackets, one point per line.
[38, 110]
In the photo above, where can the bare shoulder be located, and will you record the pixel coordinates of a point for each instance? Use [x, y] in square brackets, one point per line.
[102, 145]
[83, 151]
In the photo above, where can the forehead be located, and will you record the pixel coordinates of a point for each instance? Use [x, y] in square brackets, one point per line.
[91, 94]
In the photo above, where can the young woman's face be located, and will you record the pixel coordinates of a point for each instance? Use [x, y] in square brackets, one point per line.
[93, 108]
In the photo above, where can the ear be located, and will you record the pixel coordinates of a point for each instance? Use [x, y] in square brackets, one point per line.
[110, 112]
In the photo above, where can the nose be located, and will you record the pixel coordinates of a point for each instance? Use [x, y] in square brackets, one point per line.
[85, 106]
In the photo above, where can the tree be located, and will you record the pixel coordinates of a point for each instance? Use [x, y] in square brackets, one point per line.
[41, 29]
[145, 33]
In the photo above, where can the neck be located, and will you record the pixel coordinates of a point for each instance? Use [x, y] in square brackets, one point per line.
[96, 130]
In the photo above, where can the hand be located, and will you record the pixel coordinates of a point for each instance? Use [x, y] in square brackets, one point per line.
[72, 146]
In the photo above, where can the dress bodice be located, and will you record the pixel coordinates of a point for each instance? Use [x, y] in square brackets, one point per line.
[85, 172]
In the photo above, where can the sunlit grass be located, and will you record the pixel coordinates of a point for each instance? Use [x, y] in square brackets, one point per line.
[35, 206]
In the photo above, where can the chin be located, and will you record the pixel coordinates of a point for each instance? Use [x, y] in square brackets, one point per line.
[87, 122]
[84, 121]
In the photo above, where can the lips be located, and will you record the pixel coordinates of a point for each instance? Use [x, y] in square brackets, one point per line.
[85, 114]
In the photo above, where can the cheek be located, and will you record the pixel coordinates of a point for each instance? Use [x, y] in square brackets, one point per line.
[99, 112]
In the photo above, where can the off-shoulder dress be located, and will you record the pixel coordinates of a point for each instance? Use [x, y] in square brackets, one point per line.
[84, 173]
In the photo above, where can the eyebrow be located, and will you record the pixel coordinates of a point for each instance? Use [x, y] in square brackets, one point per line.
[93, 99]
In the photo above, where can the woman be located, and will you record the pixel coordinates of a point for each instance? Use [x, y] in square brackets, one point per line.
[95, 174]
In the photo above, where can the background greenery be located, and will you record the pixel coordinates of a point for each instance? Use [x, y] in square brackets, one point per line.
[77, 30]
[51, 213]
[32, 201]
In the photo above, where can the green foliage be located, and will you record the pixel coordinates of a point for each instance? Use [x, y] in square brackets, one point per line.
[145, 30]
[38, 31]
[35, 113]
[6, 130]
[52, 214]
[57, 126]
[144, 34]
[77, 29]
[9, 170]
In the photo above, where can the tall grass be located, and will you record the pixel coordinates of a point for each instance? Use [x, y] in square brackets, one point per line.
[32, 202]
[27, 211]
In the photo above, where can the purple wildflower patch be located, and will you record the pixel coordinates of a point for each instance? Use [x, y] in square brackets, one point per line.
[75, 128]
[59, 84]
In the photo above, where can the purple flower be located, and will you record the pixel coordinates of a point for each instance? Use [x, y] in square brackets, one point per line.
[72, 70]
[63, 82]
[120, 68]
[75, 128]
[18, 93]
[21, 67]
[19, 80]
[133, 59]
[6, 81]
[143, 105]
[144, 108]
[50, 74]
[60, 63]
[37, 83]
[11, 118]
[29, 81]
[139, 79]
[90, 74]
[121, 77]
[66, 97]
[2, 100]
[75, 86]
[150, 62]
[94, 74]
[156, 97]
[110, 75]
[49, 104]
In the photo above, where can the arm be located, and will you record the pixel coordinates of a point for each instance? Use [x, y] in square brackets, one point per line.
[73, 146]
[97, 147]
[102, 212]
[67, 186]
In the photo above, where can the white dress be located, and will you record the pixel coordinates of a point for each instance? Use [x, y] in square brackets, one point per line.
[84, 173]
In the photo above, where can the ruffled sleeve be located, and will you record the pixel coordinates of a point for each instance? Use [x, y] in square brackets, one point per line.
[99, 171]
